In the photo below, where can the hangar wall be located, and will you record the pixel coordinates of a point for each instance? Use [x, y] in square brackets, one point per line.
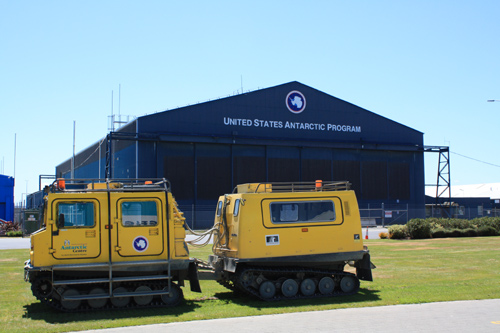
[290, 132]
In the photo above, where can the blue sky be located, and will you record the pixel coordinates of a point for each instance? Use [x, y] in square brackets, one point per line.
[430, 65]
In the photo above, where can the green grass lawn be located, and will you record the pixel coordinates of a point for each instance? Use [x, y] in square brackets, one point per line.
[410, 271]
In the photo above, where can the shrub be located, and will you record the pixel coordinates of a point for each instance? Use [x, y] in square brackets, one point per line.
[439, 233]
[6, 227]
[470, 232]
[434, 222]
[445, 233]
[454, 233]
[440, 228]
[17, 233]
[456, 223]
[493, 222]
[419, 228]
[383, 235]
[487, 231]
[398, 232]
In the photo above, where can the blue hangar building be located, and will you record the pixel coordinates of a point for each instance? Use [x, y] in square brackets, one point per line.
[287, 133]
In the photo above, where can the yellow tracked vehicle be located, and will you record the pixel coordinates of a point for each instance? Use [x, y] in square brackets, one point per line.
[122, 243]
[290, 240]
[110, 245]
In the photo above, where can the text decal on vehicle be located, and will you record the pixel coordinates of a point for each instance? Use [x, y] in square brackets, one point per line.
[272, 240]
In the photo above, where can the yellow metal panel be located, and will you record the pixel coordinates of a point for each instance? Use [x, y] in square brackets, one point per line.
[139, 235]
[75, 244]
[72, 242]
[181, 249]
[91, 245]
[254, 235]
[178, 246]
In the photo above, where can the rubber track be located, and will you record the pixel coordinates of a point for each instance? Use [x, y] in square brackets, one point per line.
[284, 272]
[84, 307]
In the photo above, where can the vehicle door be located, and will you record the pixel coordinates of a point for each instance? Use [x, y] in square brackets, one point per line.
[77, 228]
[139, 227]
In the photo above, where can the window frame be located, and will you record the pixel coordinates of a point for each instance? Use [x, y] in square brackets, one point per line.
[74, 202]
[219, 208]
[139, 201]
[236, 208]
[299, 221]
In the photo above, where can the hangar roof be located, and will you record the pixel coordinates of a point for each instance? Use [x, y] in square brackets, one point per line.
[288, 114]
[291, 111]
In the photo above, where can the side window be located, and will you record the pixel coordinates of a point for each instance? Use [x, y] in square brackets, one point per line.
[305, 211]
[139, 213]
[75, 214]
[219, 208]
[236, 209]
[285, 212]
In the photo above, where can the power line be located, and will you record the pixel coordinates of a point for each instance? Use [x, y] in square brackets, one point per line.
[474, 159]
[95, 151]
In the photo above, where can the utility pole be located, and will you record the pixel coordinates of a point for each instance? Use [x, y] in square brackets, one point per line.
[73, 159]
[15, 141]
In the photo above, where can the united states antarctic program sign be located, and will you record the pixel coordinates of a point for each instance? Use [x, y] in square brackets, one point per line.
[296, 103]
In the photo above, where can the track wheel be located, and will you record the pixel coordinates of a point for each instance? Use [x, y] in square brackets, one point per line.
[143, 300]
[348, 284]
[174, 297]
[289, 288]
[120, 302]
[70, 304]
[97, 303]
[267, 290]
[41, 288]
[307, 287]
[326, 285]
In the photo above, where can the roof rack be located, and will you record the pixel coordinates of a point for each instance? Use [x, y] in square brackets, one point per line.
[110, 185]
[317, 186]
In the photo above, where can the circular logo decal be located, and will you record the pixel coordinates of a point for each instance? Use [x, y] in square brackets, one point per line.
[140, 243]
[295, 101]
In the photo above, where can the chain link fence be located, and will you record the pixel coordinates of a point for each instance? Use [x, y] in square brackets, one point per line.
[202, 216]
[385, 214]
[461, 211]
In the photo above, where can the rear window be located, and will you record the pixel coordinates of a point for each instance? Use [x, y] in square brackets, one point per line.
[302, 211]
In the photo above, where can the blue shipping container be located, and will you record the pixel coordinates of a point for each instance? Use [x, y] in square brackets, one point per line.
[6, 198]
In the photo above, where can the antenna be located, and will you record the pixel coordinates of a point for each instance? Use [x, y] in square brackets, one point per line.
[111, 118]
[73, 159]
[242, 84]
[118, 120]
[15, 142]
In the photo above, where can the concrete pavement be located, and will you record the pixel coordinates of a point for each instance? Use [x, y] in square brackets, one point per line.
[13, 243]
[453, 317]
